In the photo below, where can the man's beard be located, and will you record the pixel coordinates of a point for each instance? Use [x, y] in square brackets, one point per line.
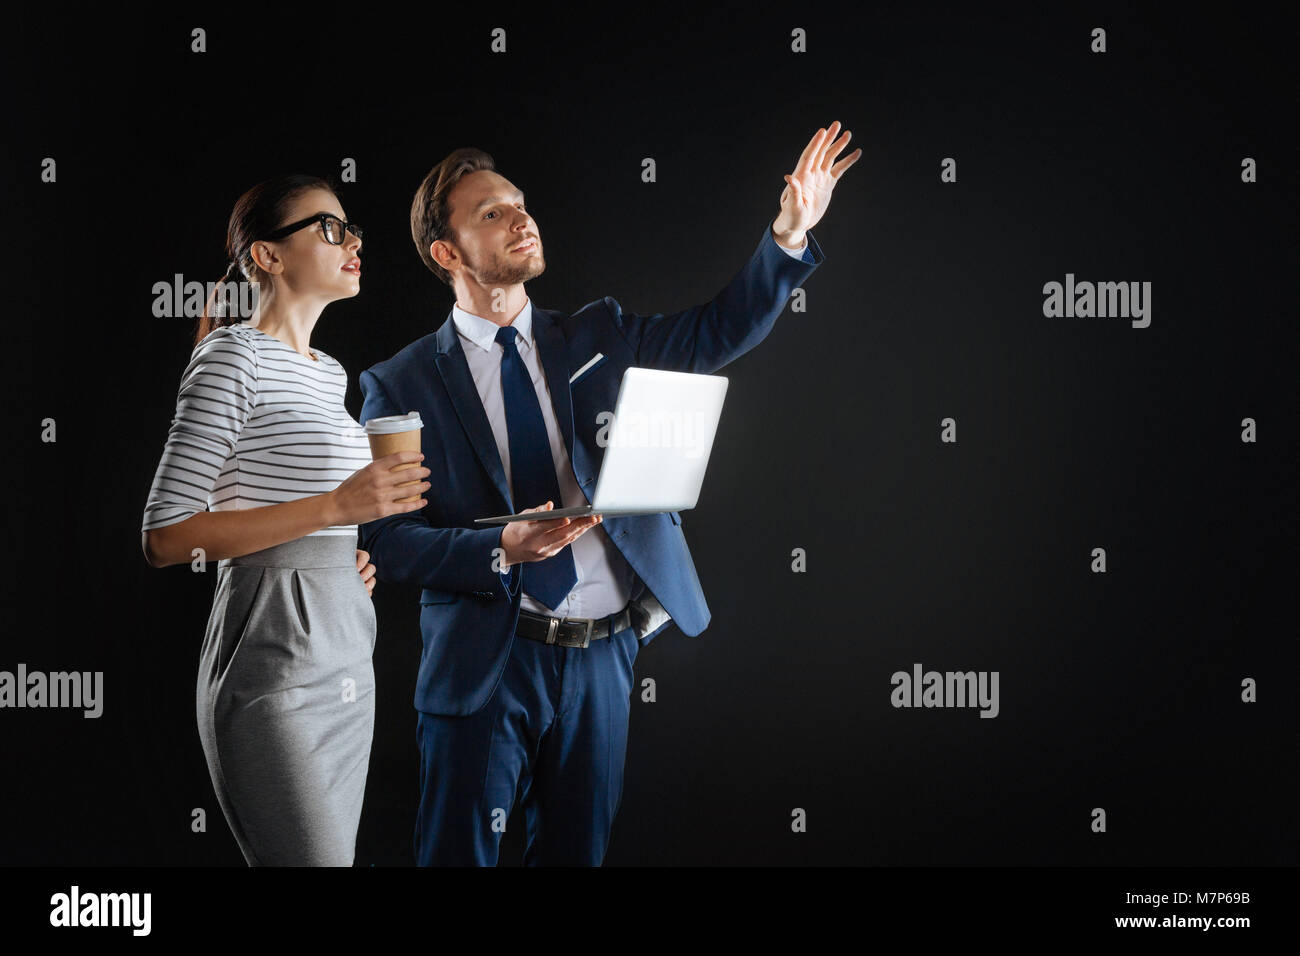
[501, 272]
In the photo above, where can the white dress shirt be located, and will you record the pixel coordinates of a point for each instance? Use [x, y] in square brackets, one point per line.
[605, 579]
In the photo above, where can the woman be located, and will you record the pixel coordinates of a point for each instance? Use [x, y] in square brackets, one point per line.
[262, 441]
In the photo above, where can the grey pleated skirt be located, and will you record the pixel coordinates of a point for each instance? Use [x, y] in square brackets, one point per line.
[286, 700]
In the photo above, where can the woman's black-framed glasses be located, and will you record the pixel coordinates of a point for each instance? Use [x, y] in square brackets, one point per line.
[333, 227]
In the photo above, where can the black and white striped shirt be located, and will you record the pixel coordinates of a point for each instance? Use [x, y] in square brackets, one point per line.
[257, 423]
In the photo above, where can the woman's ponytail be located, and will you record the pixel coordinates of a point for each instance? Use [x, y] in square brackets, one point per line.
[215, 311]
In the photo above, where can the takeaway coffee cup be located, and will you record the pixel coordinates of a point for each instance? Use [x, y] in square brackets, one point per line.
[395, 433]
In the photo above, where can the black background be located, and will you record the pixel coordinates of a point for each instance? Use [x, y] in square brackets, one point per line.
[1119, 691]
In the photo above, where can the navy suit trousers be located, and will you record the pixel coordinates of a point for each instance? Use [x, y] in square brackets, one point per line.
[553, 735]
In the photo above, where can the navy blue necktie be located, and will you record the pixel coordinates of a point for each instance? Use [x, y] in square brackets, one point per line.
[533, 480]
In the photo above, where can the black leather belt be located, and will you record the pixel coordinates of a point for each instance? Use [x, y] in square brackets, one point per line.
[569, 631]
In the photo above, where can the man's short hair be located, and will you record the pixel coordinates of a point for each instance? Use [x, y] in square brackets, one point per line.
[429, 212]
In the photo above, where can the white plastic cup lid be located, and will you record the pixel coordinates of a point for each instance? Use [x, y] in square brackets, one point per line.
[394, 424]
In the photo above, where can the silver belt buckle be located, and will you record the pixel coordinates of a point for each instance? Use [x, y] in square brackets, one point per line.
[586, 633]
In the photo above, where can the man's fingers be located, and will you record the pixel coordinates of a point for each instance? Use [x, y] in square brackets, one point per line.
[834, 150]
[554, 541]
[543, 528]
[575, 535]
[555, 547]
[559, 534]
[580, 528]
[805, 158]
[815, 163]
[838, 169]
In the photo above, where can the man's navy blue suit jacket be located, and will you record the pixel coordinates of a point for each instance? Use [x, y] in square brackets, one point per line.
[468, 610]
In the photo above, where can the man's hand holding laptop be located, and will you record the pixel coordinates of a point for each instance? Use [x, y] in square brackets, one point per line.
[543, 537]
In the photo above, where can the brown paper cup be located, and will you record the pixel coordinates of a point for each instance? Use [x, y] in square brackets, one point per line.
[386, 444]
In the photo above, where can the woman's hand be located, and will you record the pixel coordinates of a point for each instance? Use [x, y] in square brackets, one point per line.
[372, 492]
[367, 571]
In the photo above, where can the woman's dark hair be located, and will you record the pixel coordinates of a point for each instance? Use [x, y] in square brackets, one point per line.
[258, 212]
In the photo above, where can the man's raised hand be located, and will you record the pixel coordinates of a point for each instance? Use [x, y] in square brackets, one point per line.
[808, 189]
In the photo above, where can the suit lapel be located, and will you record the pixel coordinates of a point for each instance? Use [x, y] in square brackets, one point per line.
[454, 369]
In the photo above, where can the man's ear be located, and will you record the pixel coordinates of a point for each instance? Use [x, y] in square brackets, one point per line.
[448, 251]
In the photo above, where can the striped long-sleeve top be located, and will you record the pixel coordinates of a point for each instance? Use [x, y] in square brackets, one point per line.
[257, 423]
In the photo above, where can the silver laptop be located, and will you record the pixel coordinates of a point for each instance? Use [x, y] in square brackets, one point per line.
[657, 446]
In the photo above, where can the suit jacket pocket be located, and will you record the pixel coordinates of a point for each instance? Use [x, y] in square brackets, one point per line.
[435, 596]
[583, 377]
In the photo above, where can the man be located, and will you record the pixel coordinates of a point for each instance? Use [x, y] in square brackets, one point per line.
[531, 629]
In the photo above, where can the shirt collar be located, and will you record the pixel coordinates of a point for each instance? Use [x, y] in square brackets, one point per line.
[484, 333]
